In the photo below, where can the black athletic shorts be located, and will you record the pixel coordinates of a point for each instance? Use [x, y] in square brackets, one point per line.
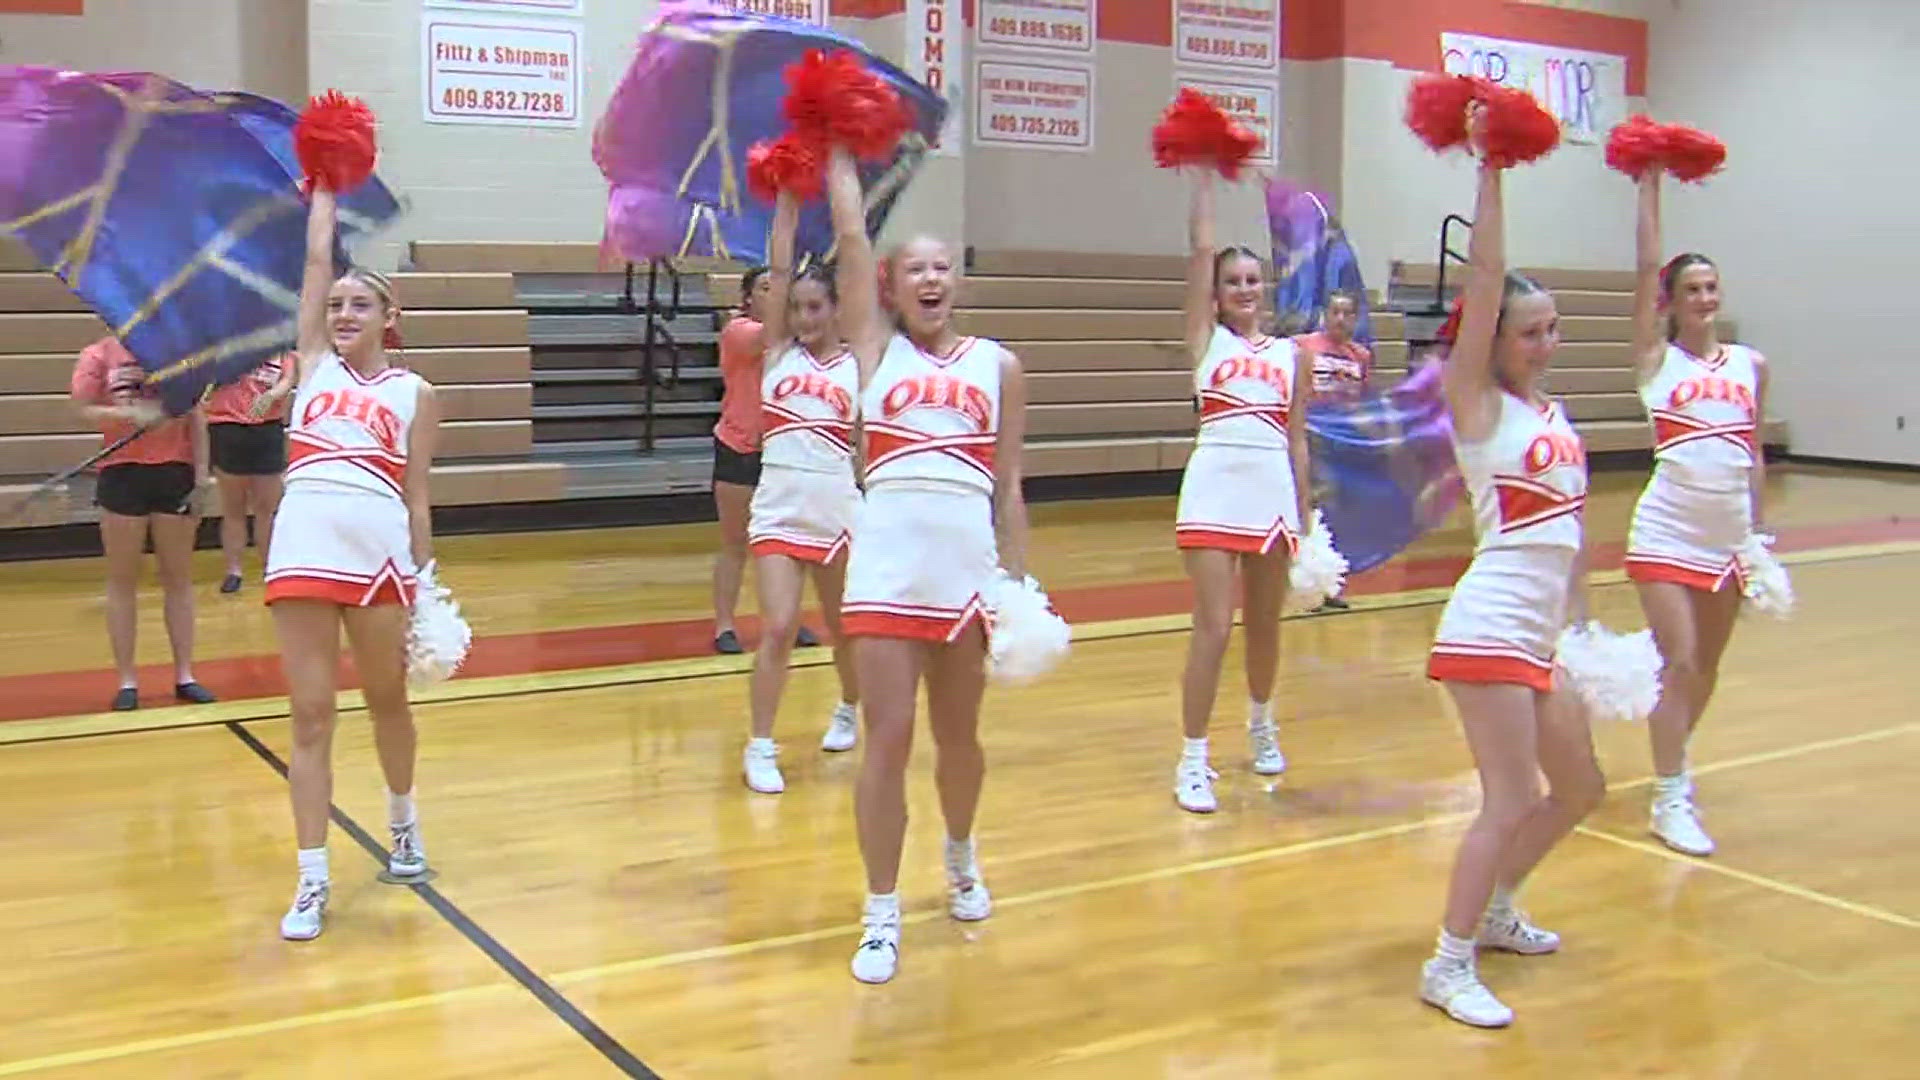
[730, 466]
[143, 490]
[248, 449]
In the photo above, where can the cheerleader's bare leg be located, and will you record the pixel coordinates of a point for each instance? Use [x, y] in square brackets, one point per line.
[889, 671]
[956, 680]
[778, 580]
[310, 655]
[1575, 787]
[1692, 628]
[379, 639]
[1212, 571]
[843, 728]
[1263, 581]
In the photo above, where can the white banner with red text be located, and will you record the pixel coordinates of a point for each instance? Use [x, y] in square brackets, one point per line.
[507, 72]
[1033, 104]
[936, 55]
[1253, 103]
[1585, 91]
[1048, 25]
[1242, 34]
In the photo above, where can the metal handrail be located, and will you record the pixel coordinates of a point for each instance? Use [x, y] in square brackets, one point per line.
[1440, 279]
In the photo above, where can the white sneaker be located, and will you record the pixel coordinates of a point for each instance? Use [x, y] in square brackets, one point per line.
[967, 897]
[1510, 931]
[302, 921]
[843, 731]
[1264, 734]
[1456, 990]
[1193, 786]
[878, 956]
[1676, 821]
[409, 857]
[763, 769]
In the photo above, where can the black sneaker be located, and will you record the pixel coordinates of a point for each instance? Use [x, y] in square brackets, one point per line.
[728, 643]
[805, 639]
[127, 700]
[193, 693]
[230, 584]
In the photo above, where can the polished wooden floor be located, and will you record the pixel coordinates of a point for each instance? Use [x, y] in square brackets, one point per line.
[597, 831]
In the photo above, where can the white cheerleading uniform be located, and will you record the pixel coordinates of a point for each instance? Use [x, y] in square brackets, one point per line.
[342, 534]
[1237, 493]
[923, 547]
[806, 500]
[1697, 508]
[1527, 483]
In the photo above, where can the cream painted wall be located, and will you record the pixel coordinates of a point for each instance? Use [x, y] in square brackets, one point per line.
[1813, 221]
[197, 42]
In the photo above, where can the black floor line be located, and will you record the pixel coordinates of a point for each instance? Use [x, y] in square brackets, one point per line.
[596, 1036]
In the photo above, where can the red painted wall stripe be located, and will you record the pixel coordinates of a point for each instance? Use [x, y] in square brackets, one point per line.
[1405, 34]
[42, 7]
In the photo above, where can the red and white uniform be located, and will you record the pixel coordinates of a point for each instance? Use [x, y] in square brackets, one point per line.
[342, 531]
[806, 500]
[923, 548]
[1697, 508]
[1237, 493]
[1527, 483]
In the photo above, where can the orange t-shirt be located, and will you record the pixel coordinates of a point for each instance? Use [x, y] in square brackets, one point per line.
[1336, 368]
[233, 403]
[742, 351]
[106, 364]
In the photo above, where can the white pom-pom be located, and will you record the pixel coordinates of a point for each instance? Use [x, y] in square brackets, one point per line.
[1319, 571]
[1026, 638]
[437, 637]
[1616, 676]
[1766, 585]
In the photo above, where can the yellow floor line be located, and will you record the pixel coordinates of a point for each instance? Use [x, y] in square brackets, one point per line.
[1761, 880]
[650, 671]
[765, 944]
[240, 1031]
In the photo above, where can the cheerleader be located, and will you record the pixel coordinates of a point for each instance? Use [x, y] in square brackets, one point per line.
[944, 419]
[1526, 476]
[1244, 498]
[148, 490]
[803, 507]
[246, 432]
[348, 543]
[1705, 399]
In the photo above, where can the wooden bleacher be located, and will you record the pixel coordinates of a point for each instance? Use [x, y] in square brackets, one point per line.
[465, 332]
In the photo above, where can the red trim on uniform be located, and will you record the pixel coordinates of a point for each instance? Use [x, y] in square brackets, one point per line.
[1220, 538]
[1657, 568]
[804, 551]
[343, 593]
[915, 622]
[1478, 667]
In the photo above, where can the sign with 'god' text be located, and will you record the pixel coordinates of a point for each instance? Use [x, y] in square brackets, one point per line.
[1585, 91]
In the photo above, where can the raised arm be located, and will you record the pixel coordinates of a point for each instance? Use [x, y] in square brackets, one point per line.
[856, 275]
[1009, 471]
[1649, 338]
[316, 281]
[773, 319]
[422, 440]
[1297, 442]
[1468, 377]
[1199, 306]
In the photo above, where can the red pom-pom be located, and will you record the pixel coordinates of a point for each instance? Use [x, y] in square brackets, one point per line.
[1437, 108]
[334, 141]
[1194, 131]
[1636, 145]
[789, 164]
[1516, 129]
[1692, 155]
[833, 100]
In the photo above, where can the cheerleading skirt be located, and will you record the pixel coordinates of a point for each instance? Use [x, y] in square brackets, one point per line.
[1239, 499]
[1687, 533]
[1502, 624]
[921, 560]
[802, 514]
[343, 545]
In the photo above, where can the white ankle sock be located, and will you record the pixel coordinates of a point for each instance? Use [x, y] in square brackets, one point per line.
[1672, 787]
[883, 904]
[1259, 712]
[1196, 749]
[313, 864]
[400, 808]
[1502, 901]
[959, 850]
[1453, 950]
[757, 742]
